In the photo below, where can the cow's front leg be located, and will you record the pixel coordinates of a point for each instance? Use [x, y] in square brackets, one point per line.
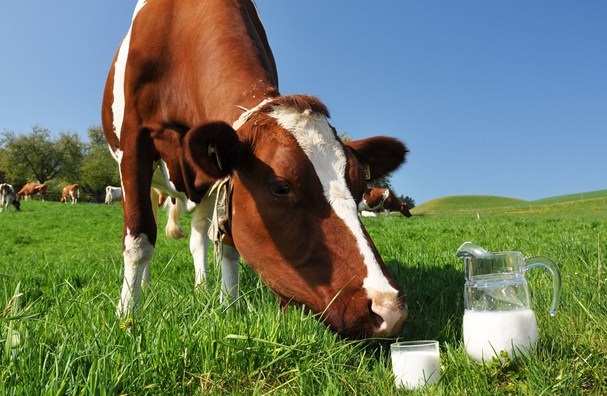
[137, 255]
[140, 228]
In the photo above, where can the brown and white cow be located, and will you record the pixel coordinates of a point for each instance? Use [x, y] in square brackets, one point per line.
[192, 100]
[30, 189]
[8, 197]
[378, 199]
[71, 191]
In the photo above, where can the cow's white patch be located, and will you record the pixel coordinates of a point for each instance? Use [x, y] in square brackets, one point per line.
[137, 254]
[118, 103]
[117, 154]
[317, 140]
[137, 249]
[248, 113]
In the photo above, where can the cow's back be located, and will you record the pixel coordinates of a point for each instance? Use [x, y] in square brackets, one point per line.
[190, 66]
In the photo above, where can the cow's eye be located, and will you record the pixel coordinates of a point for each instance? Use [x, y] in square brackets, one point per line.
[280, 188]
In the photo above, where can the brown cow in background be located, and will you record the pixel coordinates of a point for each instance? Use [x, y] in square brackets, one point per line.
[377, 200]
[30, 189]
[72, 191]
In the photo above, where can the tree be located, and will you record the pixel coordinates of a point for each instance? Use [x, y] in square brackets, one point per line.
[3, 165]
[382, 182]
[99, 169]
[36, 157]
[97, 138]
[70, 151]
[408, 200]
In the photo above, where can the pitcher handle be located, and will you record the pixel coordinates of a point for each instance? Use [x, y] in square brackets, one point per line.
[553, 268]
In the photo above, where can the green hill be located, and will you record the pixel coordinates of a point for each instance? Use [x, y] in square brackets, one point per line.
[465, 202]
[573, 197]
[591, 205]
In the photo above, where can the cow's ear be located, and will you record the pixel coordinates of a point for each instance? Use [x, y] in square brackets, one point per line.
[211, 151]
[379, 155]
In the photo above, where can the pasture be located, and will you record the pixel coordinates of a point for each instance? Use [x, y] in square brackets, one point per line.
[61, 273]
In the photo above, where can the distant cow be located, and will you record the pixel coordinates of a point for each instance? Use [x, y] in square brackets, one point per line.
[30, 189]
[377, 200]
[112, 194]
[8, 197]
[71, 191]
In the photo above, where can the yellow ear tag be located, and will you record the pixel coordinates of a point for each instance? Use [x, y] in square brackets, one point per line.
[212, 152]
[367, 170]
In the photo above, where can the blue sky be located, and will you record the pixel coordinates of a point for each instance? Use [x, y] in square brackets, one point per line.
[501, 98]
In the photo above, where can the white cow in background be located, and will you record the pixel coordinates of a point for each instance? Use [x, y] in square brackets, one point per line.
[112, 194]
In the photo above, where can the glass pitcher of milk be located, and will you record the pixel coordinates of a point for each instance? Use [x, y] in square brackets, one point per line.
[498, 317]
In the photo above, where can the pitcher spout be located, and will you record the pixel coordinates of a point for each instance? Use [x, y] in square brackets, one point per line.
[469, 249]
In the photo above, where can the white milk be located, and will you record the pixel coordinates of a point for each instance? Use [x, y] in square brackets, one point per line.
[415, 368]
[489, 332]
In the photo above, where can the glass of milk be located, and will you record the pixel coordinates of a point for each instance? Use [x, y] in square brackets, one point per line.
[415, 363]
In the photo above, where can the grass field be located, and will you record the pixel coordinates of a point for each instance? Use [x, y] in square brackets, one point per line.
[61, 272]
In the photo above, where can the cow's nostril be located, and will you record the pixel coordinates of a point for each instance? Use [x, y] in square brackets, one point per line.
[390, 316]
[376, 319]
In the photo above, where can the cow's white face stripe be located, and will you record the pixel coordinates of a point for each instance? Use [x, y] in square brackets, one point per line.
[119, 71]
[317, 140]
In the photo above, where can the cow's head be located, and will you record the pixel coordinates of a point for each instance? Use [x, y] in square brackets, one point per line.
[404, 209]
[294, 218]
[17, 203]
[393, 203]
